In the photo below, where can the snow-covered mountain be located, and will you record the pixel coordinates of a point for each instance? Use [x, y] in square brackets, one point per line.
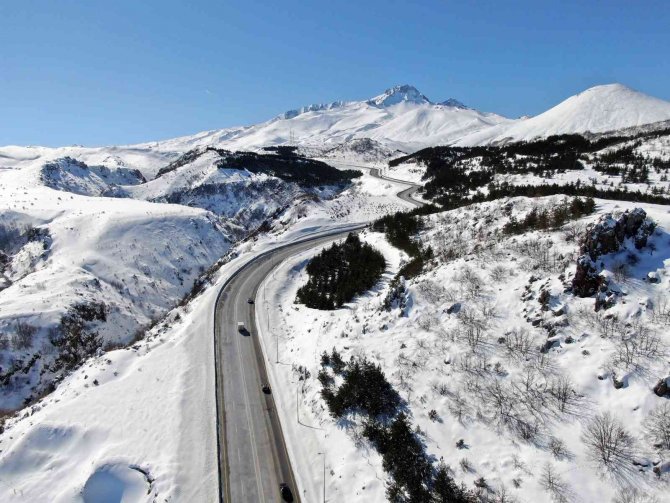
[401, 118]
[596, 110]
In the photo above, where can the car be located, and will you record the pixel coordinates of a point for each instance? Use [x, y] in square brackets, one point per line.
[285, 491]
[266, 389]
[250, 301]
[242, 329]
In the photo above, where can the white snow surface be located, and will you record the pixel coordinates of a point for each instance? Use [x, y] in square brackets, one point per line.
[137, 424]
[596, 110]
[425, 354]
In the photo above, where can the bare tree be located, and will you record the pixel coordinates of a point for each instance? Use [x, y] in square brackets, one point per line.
[470, 282]
[23, 338]
[573, 232]
[557, 448]
[633, 495]
[637, 347]
[660, 311]
[498, 273]
[565, 397]
[611, 445]
[657, 426]
[459, 406]
[518, 343]
[621, 271]
[550, 481]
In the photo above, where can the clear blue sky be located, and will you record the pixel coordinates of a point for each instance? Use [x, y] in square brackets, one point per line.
[109, 72]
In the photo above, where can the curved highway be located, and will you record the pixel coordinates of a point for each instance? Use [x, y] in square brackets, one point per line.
[406, 194]
[252, 455]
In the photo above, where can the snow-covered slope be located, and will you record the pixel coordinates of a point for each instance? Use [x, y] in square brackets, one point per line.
[596, 110]
[480, 361]
[86, 273]
[401, 117]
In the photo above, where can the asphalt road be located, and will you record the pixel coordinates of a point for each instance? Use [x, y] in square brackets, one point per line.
[253, 459]
[405, 195]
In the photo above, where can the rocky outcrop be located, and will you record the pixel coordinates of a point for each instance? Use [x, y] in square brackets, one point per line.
[608, 235]
[662, 388]
[587, 279]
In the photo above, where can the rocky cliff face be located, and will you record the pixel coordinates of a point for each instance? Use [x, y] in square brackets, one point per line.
[608, 235]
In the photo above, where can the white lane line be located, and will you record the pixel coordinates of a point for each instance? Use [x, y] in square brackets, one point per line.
[252, 437]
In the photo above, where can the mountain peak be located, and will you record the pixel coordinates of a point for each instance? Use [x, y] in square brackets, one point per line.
[615, 86]
[451, 102]
[399, 94]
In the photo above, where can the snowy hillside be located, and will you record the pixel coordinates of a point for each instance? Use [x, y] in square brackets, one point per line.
[510, 319]
[631, 165]
[90, 255]
[504, 368]
[87, 273]
[596, 110]
[400, 118]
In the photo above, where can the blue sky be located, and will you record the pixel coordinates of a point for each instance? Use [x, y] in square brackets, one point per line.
[108, 72]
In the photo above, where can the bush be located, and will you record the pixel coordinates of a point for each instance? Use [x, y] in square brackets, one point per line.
[365, 390]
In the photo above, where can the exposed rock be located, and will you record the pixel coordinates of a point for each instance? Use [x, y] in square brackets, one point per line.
[454, 308]
[548, 345]
[662, 388]
[587, 280]
[652, 277]
[618, 383]
[608, 234]
[605, 300]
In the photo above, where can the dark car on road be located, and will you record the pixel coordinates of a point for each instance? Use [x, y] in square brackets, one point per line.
[250, 301]
[266, 389]
[286, 494]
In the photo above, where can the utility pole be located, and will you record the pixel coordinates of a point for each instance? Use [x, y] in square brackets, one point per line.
[324, 475]
[277, 342]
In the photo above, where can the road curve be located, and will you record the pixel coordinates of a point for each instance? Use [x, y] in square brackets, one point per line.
[253, 458]
[405, 195]
[252, 455]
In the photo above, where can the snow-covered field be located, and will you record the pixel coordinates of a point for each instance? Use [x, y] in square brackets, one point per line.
[429, 354]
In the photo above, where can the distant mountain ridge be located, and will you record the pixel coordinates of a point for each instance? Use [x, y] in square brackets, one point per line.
[401, 118]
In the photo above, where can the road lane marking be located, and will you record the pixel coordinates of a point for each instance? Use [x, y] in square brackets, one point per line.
[252, 436]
